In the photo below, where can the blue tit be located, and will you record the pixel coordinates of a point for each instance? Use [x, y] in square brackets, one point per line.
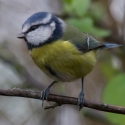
[60, 50]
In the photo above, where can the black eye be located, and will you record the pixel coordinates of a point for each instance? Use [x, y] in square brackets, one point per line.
[34, 27]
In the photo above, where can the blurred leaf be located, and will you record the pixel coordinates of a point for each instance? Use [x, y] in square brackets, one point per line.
[82, 24]
[67, 1]
[87, 25]
[114, 93]
[80, 6]
[108, 69]
[97, 10]
[98, 32]
[68, 8]
[86, 19]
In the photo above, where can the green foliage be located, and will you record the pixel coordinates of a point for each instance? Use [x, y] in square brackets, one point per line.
[99, 32]
[114, 94]
[67, 1]
[87, 25]
[82, 17]
[80, 6]
[97, 11]
[107, 68]
[83, 24]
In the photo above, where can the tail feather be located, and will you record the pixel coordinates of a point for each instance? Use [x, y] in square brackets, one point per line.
[109, 45]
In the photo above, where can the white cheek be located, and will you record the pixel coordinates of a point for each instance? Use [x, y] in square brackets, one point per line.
[40, 35]
[53, 26]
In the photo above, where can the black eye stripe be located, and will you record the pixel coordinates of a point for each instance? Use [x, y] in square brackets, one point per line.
[33, 27]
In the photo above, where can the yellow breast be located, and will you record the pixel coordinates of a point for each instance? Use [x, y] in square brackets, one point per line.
[62, 61]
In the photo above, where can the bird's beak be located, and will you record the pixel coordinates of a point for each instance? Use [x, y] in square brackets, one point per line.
[21, 36]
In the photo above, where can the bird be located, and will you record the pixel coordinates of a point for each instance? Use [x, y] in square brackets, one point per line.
[60, 50]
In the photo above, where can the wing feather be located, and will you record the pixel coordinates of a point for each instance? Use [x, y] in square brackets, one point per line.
[82, 41]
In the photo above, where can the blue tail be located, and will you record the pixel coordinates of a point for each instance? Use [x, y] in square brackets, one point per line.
[109, 45]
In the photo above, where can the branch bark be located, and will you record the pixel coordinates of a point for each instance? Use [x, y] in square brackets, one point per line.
[60, 100]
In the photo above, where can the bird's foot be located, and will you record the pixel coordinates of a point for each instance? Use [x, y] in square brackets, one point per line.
[81, 100]
[44, 94]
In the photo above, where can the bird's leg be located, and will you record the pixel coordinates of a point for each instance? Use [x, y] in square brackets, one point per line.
[45, 92]
[81, 96]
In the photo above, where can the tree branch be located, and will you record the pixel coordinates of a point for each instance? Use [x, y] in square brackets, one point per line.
[60, 100]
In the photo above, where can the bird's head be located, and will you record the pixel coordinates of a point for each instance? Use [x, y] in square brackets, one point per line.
[41, 28]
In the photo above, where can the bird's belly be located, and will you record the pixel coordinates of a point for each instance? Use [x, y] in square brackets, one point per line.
[63, 62]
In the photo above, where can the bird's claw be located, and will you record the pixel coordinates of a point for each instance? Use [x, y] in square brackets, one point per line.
[44, 95]
[81, 100]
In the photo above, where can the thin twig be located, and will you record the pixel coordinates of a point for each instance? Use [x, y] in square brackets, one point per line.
[63, 100]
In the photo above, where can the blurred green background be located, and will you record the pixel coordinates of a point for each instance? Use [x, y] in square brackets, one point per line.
[103, 19]
[89, 16]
